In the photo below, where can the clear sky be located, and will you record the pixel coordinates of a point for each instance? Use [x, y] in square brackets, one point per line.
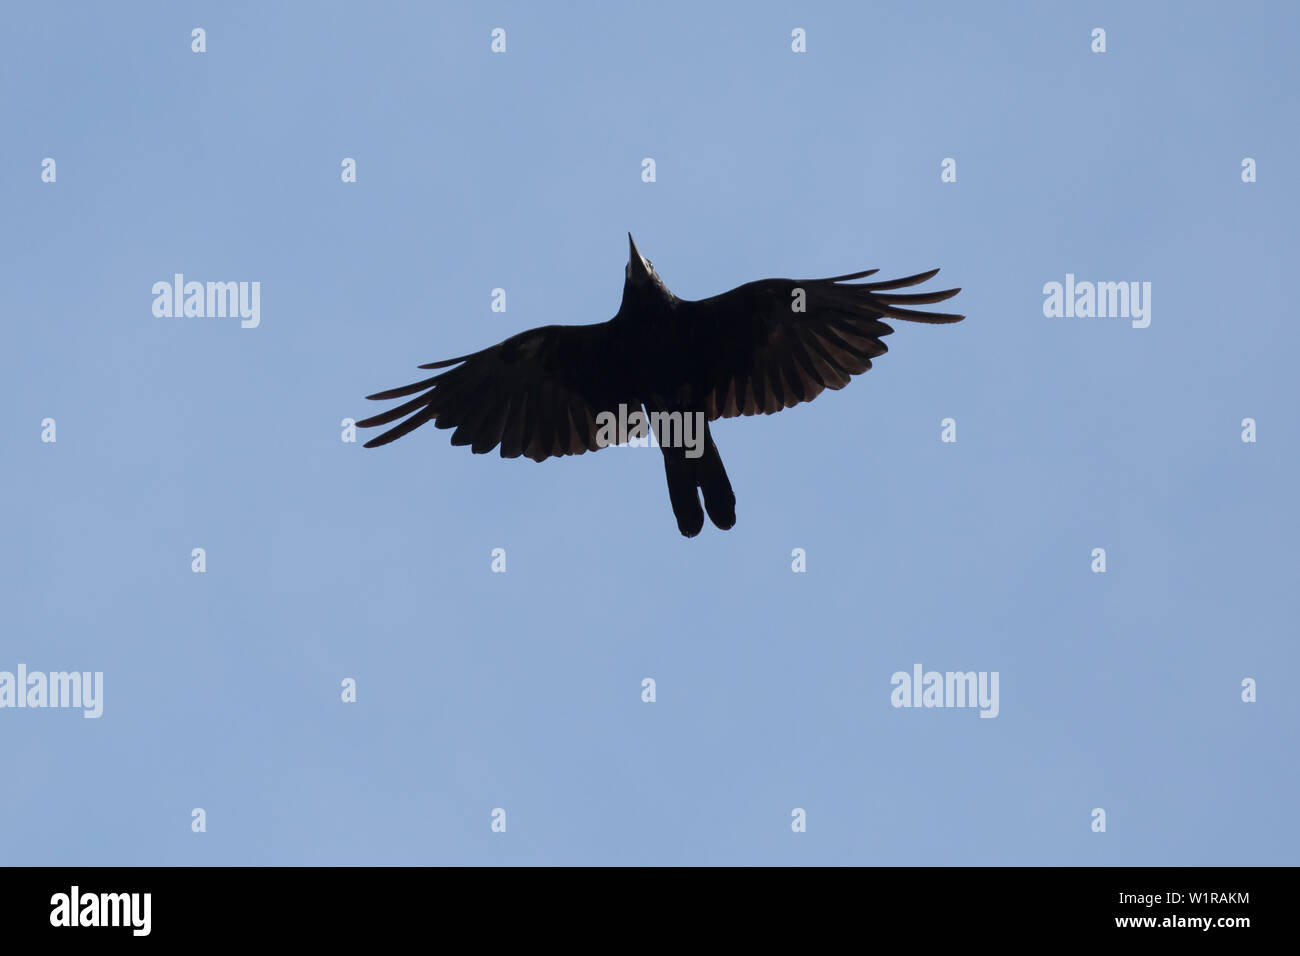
[522, 170]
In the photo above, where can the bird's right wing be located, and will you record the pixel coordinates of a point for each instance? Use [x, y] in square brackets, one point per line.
[771, 344]
[535, 394]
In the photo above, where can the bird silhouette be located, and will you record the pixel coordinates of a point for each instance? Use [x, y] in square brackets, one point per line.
[663, 364]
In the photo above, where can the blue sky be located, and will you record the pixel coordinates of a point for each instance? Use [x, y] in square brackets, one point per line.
[221, 690]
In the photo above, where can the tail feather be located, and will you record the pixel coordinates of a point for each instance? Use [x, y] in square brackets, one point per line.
[687, 477]
[711, 476]
[682, 492]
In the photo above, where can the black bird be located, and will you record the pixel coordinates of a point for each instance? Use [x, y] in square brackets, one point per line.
[761, 347]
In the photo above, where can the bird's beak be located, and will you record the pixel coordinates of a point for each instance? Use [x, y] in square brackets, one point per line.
[638, 268]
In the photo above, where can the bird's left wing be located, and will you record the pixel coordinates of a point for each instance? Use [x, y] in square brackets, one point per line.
[536, 394]
[771, 344]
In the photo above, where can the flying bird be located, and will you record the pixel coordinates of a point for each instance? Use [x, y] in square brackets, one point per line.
[761, 347]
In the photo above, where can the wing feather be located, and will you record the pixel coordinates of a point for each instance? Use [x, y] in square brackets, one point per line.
[757, 355]
[535, 394]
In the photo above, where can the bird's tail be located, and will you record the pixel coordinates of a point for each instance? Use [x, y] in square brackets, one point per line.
[687, 477]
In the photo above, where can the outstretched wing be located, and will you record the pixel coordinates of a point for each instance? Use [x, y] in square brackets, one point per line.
[535, 394]
[771, 344]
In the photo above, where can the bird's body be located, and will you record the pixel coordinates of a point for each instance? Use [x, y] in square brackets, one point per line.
[757, 349]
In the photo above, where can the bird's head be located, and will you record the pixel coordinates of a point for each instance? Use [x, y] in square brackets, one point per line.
[640, 272]
[642, 287]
